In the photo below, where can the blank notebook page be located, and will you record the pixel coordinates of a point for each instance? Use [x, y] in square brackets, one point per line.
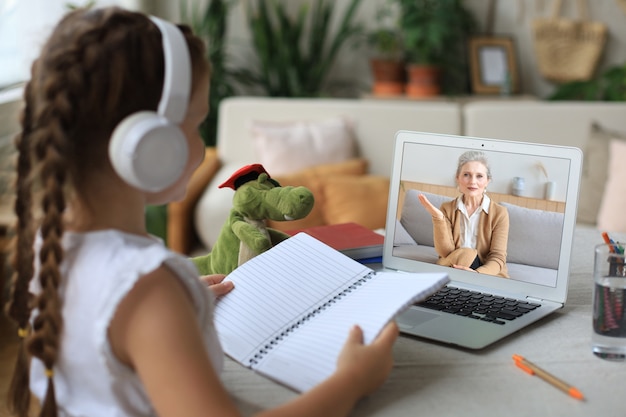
[245, 321]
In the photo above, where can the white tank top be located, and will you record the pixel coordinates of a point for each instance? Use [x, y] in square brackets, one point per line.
[99, 269]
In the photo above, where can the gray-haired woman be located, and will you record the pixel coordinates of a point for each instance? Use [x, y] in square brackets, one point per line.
[471, 232]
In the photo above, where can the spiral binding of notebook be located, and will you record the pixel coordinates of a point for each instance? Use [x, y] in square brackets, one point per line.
[270, 345]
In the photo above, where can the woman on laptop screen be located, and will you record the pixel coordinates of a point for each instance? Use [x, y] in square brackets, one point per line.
[471, 231]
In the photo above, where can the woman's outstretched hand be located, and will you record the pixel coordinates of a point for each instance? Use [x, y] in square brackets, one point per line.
[434, 211]
[465, 268]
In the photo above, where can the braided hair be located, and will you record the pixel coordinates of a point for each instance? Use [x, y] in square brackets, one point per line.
[97, 67]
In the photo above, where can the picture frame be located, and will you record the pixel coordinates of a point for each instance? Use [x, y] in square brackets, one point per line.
[493, 65]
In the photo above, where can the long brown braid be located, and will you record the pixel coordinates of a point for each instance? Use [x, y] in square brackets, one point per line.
[97, 67]
[22, 264]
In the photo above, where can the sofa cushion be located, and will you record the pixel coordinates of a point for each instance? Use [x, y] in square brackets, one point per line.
[359, 199]
[401, 237]
[288, 147]
[416, 220]
[611, 216]
[314, 179]
[534, 236]
[595, 172]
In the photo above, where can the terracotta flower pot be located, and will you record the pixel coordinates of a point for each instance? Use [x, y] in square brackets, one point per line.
[423, 81]
[389, 77]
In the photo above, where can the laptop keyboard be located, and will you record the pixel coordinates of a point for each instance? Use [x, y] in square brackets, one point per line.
[477, 305]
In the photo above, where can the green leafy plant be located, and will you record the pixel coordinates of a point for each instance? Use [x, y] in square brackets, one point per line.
[210, 24]
[431, 27]
[435, 32]
[386, 42]
[386, 38]
[296, 53]
[609, 86]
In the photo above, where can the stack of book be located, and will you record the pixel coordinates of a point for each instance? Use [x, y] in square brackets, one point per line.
[351, 239]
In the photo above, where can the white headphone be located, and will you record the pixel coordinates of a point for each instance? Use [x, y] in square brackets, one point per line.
[148, 150]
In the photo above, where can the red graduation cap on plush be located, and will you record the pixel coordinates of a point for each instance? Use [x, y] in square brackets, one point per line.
[245, 174]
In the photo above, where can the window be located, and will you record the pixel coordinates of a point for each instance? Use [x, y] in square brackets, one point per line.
[24, 27]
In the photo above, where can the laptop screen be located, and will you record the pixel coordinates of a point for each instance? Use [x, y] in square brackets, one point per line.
[536, 183]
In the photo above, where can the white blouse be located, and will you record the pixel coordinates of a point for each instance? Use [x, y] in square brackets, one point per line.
[469, 224]
[99, 269]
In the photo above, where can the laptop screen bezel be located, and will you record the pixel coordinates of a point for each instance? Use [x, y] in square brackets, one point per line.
[558, 293]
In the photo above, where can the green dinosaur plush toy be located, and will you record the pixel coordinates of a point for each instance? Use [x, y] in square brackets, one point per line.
[244, 235]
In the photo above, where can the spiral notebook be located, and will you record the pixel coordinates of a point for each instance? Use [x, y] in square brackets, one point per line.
[293, 306]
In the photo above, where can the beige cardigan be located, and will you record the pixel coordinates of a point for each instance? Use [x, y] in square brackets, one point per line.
[492, 239]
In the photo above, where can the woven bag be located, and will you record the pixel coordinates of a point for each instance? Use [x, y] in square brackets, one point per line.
[567, 49]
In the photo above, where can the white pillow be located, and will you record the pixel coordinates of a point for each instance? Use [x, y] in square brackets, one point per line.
[534, 236]
[595, 173]
[612, 213]
[286, 147]
[416, 220]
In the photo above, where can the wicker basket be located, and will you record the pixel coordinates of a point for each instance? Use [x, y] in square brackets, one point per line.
[567, 49]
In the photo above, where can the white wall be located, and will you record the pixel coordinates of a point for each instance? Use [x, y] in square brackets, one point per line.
[441, 164]
[512, 17]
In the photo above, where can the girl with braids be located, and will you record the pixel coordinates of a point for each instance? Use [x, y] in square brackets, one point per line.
[112, 322]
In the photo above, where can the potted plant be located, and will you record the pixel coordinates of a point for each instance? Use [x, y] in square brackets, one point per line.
[434, 36]
[386, 61]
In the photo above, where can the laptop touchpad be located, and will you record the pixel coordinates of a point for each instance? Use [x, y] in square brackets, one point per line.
[411, 318]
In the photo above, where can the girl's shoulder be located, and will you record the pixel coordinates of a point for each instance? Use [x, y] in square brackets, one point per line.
[115, 261]
[118, 249]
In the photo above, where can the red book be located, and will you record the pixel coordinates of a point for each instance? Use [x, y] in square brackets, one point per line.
[351, 239]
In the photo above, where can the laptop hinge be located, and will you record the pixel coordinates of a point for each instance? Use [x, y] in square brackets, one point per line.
[536, 300]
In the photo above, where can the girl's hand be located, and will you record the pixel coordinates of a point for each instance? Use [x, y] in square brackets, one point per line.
[216, 284]
[368, 365]
[434, 211]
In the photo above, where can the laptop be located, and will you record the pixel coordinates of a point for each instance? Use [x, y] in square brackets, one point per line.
[537, 183]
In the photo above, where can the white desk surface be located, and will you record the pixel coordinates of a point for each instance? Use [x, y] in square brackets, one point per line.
[432, 379]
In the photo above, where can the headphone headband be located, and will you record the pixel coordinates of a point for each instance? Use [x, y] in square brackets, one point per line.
[177, 76]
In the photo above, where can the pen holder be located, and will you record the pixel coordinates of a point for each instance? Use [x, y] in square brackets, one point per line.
[609, 299]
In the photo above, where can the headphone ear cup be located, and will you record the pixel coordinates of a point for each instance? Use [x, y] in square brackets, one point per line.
[148, 152]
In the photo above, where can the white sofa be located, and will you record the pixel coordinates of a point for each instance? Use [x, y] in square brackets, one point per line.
[376, 121]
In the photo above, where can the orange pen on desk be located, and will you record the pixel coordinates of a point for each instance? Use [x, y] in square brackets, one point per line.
[533, 369]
